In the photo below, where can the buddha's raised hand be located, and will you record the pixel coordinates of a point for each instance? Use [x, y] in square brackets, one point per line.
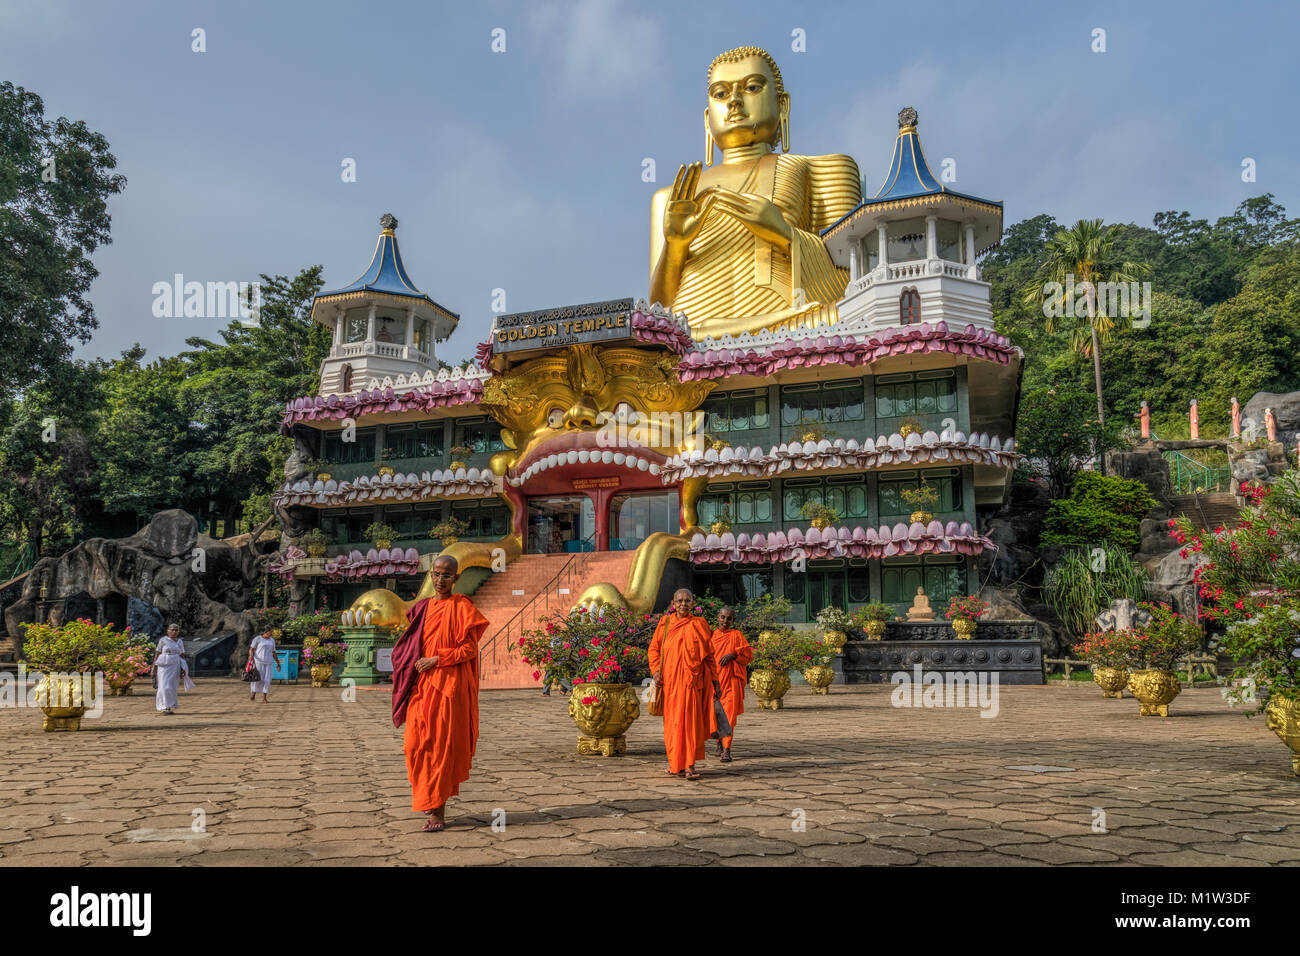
[684, 213]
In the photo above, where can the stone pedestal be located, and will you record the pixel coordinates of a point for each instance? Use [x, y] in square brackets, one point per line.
[1010, 648]
[359, 661]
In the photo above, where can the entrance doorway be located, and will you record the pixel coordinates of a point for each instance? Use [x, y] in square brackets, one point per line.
[634, 517]
[564, 523]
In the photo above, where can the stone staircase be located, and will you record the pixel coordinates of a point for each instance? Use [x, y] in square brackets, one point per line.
[532, 587]
[1208, 511]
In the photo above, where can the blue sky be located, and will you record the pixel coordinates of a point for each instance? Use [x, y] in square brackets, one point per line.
[523, 170]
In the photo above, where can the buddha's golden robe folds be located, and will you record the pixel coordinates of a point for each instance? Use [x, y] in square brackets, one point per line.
[734, 282]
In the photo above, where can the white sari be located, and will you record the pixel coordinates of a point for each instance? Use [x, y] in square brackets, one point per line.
[170, 667]
[262, 653]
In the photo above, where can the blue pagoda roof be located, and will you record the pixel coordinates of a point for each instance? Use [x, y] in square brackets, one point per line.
[386, 275]
[909, 175]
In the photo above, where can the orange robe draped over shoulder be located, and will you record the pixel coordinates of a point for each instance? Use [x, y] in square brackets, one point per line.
[732, 676]
[682, 652]
[442, 716]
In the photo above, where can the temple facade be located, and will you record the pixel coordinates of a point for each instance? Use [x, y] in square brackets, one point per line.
[778, 460]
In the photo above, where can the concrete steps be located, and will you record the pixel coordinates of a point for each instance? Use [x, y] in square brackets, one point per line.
[1208, 511]
[499, 599]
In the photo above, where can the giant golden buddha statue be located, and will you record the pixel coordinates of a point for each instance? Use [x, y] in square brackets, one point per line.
[736, 246]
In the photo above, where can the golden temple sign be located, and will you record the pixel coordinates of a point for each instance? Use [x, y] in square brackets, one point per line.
[572, 325]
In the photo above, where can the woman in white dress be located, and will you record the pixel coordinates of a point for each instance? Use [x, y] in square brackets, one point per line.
[261, 654]
[170, 669]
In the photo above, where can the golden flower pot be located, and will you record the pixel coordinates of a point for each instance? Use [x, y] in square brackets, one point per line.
[875, 630]
[456, 466]
[120, 686]
[1282, 716]
[64, 699]
[835, 639]
[1111, 680]
[321, 674]
[720, 527]
[821, 524]
[1154, 690]
[965, 629]
[819, 678]
[770, 686]
[925, 517]
[603, 721]
[316, 550]
[383, 544]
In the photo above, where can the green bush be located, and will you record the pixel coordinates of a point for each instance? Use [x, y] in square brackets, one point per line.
[1100, 511]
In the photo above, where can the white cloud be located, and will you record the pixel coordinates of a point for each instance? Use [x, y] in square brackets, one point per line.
[601, 49]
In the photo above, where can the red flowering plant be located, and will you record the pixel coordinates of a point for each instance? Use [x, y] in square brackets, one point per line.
[607, 645]
[127, 662]
[325, 653]
[1165, 640]
[1250, 580]
[1107, 649]
[966, 608]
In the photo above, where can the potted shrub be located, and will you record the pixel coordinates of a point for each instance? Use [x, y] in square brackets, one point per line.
[381, 534]
[459, 455]
[603, 655]
[822, 516]
[871, 618]
[67, 656]
[1153, 655]
[316, 542]
[1108, 653]
[123, 665]
[817, 657]
[834, 624]
[449, 531]
[963, 611]
[322, 657]
[776, 651]
[922, 499]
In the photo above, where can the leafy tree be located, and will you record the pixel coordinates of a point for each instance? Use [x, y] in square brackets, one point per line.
[55, 180]
[1100, 511]
[238, 389]
[1057, 427]
[1085, 252]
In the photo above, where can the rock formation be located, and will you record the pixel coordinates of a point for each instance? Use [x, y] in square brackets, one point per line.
[166, 572]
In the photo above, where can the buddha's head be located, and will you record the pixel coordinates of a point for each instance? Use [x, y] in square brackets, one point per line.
[747, 99]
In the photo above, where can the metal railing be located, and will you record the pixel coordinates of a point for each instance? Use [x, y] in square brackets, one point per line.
[1187, 476]
[569, 573]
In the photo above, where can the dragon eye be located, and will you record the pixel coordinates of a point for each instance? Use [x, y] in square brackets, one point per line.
[555, 418]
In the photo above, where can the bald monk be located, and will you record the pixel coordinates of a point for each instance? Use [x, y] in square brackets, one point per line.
[683, 666]
[435, 693]
[733, 654]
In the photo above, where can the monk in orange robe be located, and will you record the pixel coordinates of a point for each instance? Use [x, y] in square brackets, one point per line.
[683, 666]
[435, 693]
[733, 653]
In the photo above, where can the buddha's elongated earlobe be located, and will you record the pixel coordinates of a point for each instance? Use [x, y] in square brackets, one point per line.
[785, 122]
[708, 141]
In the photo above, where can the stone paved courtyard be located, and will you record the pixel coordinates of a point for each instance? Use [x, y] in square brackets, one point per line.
[312, 779]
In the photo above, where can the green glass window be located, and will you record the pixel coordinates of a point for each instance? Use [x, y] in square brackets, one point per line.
[901, 396]
[734, 585]
[947, 482]
[824, 403]
[848, 500]
[336, 451]
[420, 440]
[483, 436]
[744, 507]
[942, 578]
[485, 519]
[737, 411]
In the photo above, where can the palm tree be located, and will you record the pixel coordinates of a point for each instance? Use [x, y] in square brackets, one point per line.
[1086, 252]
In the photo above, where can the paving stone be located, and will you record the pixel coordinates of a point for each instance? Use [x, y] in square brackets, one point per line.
[310, 780]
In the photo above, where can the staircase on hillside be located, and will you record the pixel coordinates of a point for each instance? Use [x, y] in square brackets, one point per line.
[1208, 511]
[532, 587]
